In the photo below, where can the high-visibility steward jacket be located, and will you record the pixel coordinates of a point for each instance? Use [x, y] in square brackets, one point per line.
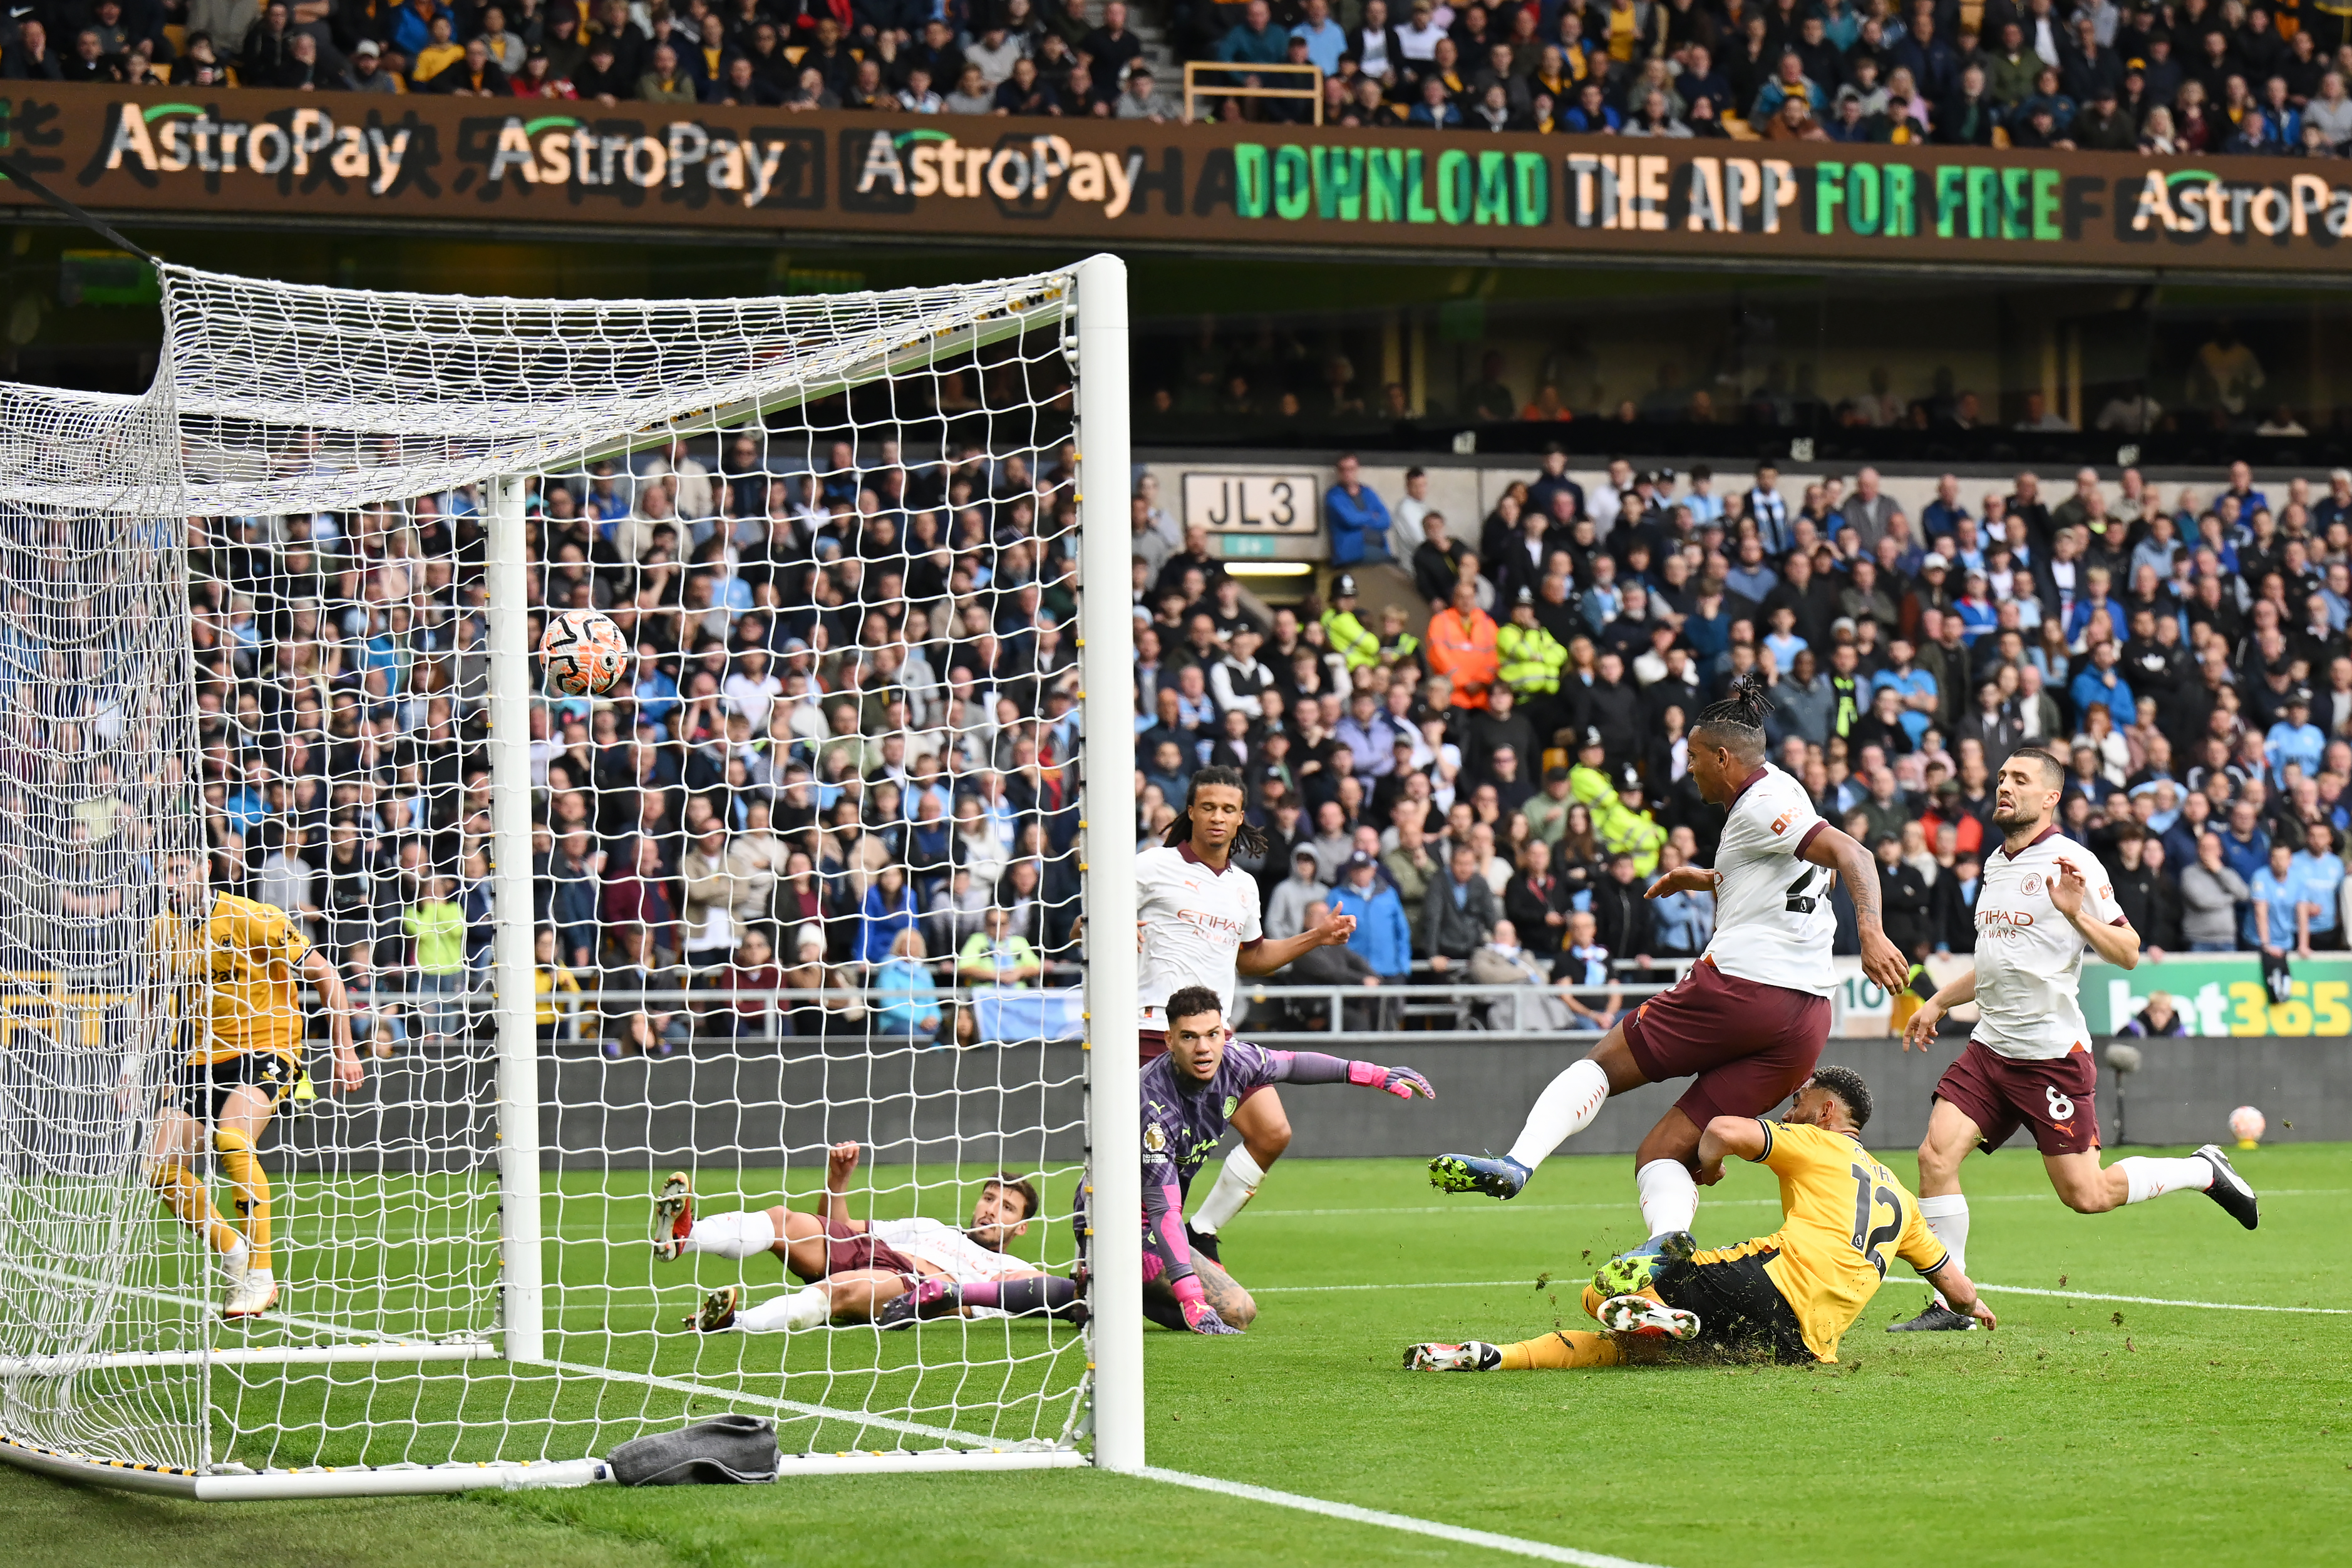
[1462, 649]
[1351, 639]
[1531, 659]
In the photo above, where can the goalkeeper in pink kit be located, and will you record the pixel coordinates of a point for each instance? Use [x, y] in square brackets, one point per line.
[1186, 1097]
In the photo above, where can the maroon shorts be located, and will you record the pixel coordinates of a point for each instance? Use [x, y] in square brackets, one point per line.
[846, 1249]
[1749, 1044]
[2056, 1097]
[1153, 1043]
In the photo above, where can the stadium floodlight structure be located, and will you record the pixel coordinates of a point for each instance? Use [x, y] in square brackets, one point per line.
[202, 582]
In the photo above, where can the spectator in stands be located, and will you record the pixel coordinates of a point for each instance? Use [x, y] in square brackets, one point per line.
[1463, 647]
[998, 956]
[2211, 893]
[1459, 911]
[1383, 937]
[1356, 517]
[907, 1001]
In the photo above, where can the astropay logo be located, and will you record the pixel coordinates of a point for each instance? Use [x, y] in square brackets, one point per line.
[1025, 175]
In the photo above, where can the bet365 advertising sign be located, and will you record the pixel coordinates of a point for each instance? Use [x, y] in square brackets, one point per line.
[426, 158]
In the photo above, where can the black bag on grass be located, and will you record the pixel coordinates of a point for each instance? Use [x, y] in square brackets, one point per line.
[724, 1450]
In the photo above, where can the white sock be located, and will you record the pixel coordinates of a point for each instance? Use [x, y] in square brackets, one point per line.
[747, 1234]
[1237, 1182]
[1946, 1215]
[2146, 1177]
[1669, 1195]
[1564, 1108]
[804, 1308]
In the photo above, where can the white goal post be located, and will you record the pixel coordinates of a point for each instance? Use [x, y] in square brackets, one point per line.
[268, 634]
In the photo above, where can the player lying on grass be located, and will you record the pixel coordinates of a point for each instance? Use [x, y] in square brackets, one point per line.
[1197, 925]
[244, 961]
[887, 1272]
[1187, 1096]
[1791, 1295]
[2028, 1061]
[1748, 1021]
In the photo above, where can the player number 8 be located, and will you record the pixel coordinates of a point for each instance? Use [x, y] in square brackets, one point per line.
[2061, 1107]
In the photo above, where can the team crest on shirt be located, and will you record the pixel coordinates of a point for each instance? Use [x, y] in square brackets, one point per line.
[1232, 1103]
[1155, 1139]
[2032, 886]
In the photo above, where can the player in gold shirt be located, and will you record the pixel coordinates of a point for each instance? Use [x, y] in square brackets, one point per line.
[244, 961]
[1791, 1295]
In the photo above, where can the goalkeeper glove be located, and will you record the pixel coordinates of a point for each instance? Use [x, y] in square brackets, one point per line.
[1201, 1319]
[1402, 1082]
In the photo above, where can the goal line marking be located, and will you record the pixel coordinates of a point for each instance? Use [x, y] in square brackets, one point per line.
[771, 1402]
[1523, 1282]
[1514, 1545]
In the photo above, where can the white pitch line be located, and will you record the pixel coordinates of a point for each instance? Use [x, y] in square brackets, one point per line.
[1710, 1203]
[2162, 1302]
[1418, 1285]
[1514, 1545]
[1525, 1282]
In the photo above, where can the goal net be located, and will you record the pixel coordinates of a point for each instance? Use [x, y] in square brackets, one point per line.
[795, 912]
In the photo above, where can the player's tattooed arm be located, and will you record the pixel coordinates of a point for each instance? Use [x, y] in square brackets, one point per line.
[1881, 959]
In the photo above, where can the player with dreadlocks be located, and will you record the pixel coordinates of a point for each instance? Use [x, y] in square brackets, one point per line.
[1747, 1022]
[1197, 925]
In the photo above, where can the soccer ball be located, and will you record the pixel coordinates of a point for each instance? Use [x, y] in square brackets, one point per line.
[2248, 1125]
[584, 653]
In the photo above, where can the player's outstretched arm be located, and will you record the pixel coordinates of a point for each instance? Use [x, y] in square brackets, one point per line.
[1685, 879]
[1921, 1030]
[1961, 1292]
[840, 1161]
[1314, 1067]
[1881, 959]
[2070, 895]
[329, 983]
[1332, 930]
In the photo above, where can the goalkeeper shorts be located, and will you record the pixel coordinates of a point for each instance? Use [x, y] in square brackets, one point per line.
[204, 1087]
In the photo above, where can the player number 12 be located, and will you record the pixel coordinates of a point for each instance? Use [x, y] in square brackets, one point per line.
[1869, 1241]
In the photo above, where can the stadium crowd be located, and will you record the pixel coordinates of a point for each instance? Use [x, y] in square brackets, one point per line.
[2186, 78]
[1492, 795]
[842, 766]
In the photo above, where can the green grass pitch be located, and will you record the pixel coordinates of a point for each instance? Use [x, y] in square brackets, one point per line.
[2083, 1431]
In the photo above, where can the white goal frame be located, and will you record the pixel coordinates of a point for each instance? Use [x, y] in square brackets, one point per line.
[1113, 1393]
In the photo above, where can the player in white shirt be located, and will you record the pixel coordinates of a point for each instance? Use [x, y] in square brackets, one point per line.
[1749, 1018]
[1196, 923]
[887, 1272]
[2028, 1061]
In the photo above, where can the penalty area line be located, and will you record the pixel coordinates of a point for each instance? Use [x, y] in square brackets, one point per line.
[1488, 1538]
